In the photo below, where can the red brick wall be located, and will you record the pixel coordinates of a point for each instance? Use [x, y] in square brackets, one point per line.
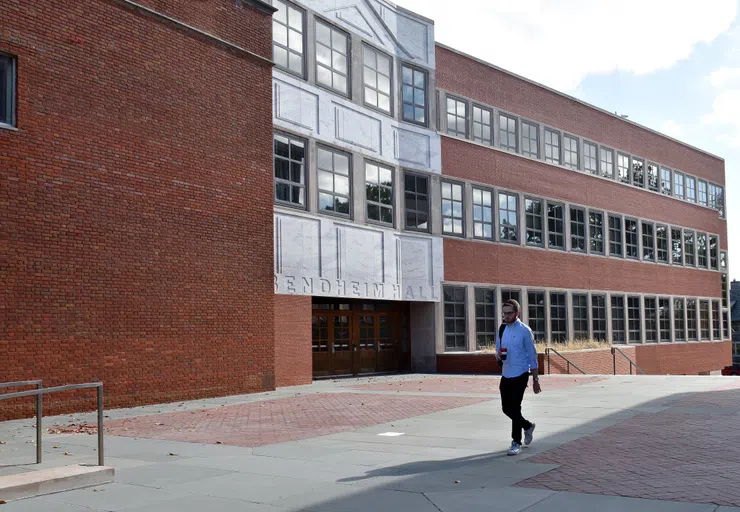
[480, 262]
[136, 199]
[478, 81]
[672, 359]
[684, 358]
[293, 356]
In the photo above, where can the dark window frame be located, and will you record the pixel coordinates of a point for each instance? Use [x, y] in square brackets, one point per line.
[509, 118]
[461, 218]
[578, 229]
[465, 117]
[292, 184]
[561, 321]
[414, 105]
[457, 292]
[533, 218]
[490, 323]
[318, 20]
[333, 192]
[482, 222]
[416, 211]
[381, 187]
[10, 101]
[552, 224]
[487, 141]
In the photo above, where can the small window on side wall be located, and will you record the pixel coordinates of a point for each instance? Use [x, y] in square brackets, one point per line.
[7, 90]
[413, 92]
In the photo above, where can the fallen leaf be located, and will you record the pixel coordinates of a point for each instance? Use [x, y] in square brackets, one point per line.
[3, 442]
[457, 481]
[56, 447]
[173, 454]
[219, 442]
[67, 453]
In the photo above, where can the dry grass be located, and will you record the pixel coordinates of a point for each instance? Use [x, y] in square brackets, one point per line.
[579, 344]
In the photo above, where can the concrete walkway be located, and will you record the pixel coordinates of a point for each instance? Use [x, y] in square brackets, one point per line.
[420, 442]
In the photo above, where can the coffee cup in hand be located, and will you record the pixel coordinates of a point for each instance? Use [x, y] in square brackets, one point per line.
[503, 354]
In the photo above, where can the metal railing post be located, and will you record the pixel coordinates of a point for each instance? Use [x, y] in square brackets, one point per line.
[39, 415]
[614, 360]
[547, 353]
[101, 457]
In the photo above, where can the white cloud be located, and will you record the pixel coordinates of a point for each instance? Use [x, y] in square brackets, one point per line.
[671, 128]
[725, 113]
[559, 42]
[724, 77]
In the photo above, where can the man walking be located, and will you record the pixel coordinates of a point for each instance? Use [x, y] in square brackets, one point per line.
[515, 349]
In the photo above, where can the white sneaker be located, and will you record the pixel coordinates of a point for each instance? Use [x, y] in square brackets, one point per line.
[528, 434]
[515, 449]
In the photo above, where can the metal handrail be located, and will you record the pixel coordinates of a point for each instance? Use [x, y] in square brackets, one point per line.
[614, 359]
[38, 393]
[39, 385]
[547, 353]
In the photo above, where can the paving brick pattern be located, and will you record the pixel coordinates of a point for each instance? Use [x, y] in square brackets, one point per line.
[485, 385]
[663, 456]
[288, 419]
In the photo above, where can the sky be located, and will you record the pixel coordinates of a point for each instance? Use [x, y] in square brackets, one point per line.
[670, 65]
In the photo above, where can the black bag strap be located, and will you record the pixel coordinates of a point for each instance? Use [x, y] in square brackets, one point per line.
[501, 329]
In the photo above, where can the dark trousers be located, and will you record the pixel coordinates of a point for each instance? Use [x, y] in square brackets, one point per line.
[512, 394]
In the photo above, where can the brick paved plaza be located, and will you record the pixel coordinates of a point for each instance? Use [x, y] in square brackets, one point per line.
[419, 442]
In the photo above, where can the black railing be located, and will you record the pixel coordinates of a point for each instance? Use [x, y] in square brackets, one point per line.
[569, 363]
[632, 363]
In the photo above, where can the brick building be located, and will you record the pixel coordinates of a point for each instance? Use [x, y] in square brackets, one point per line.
[135, 197]
[227, 196]
[603, 229]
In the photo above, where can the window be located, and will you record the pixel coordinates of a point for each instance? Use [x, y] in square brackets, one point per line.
[530, 140]
[701, 249]
[691, 319]
[486, 318]
[510, 295]
[664, 315]
[570, 152]
[598, 317]
[577, 229]
[690, 189]
[290, 176]
[651, 320]
[713, 252]
[555, 226]
[724, 290]
[665, 181]
[634, 322]
[334, 184]
[648, 242]
[558, 318]
[580, 316]
[618, 331]
[615, 235]
[702, 193]
[716, 320]
[590, 163]
[638, 172]
[677, 246]
[379, 193]
[507, 132]
[678, 185]
[679, 324]
[457, 117]
[596, 232]
[632, 239]
[537, 315]
[533, 212]
[723, 261]
[552, 146]
[623, 167]
[287, 37]
[661, 237]
[482, 121]
[414, 86]
[508, 218]
[332, 57]
[416, 199]
[716, 198]
[689, 248]
[704, 319]
[455, 333]
[607, 163]
[482, 214]
[652, 175]
[376, 78]
[452, 208]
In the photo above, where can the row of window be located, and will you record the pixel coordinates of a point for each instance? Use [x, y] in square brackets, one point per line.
[334, 66]
[555, 225]
[467, 119]
[496, 216]
[7, 90]
[616, 318]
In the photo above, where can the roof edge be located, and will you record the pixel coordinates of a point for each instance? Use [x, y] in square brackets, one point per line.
[573, 98]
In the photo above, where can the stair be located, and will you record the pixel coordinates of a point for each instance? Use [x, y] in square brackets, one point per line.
[48, 481]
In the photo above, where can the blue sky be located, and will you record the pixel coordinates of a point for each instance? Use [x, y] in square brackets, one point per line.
[673, 66]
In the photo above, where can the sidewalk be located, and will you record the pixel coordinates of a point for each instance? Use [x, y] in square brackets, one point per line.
[418, 442]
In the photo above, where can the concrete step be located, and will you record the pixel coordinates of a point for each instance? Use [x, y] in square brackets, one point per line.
[47, 481]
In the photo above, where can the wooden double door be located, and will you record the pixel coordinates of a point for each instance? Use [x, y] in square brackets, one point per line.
[353, 340]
